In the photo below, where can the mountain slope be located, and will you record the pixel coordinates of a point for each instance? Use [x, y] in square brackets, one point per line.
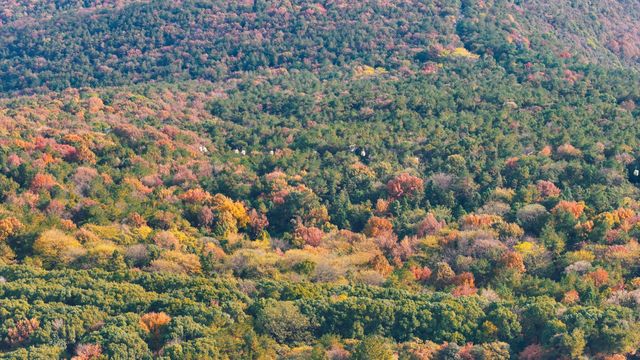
[333, 180]
[163, 40]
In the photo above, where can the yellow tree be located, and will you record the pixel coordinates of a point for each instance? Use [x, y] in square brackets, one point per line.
[54, 246]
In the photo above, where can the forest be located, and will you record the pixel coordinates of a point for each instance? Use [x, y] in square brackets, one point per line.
[330, 180]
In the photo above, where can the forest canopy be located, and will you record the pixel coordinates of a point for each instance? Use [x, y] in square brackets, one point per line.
[319, 180]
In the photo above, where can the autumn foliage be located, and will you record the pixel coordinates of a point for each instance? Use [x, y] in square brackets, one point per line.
[574, 208]
[154, 322]
[404, 185]
[22, 330]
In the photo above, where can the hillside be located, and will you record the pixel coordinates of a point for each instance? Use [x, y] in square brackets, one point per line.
[51, 45]
[336, 180]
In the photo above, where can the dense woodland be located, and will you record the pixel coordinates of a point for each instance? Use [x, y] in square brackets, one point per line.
[332, 180]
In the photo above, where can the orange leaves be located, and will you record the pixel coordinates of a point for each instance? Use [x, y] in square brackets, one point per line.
[513, 260]
[512, 162]
[214, 250]
[380, 264]
[382, 206]
[421, 274]
[465, 278]
[196, 196]
[153, 322]
[22, 331]
[617, 217]
[574, 208]
[571, 297]
[546, 151]
[404, 185]
[466, 285]
[94, 104]
[24, 145]
[624, 214]
[568, 150]
[464, 290]
[43, 181]
[137, 185]
[377, 226]
[479, 221]
[599, 277]
[8, 227]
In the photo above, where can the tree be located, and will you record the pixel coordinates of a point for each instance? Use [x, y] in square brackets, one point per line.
[443, 274]
[311, 236]
[532, 217]
[22, 331]
[569, 344]
[404, 185]
[284, 321]
[120, 342]
[552, 240]
[154, 324]
[377, 226]
[429, 226]
[8, 227]
[507, 324]
[513, 260]
[43, 181]
[574, 208]
[54, 246]
[599, 277]
[547, 189]
[88, 352]
[372, 348]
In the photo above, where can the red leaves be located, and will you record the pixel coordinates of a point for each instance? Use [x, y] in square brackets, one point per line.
[311, 236]
[421, 274]
[88, 352]
[404, 185]
[547, 189]
[430, 225]
[533, 352]
[257, 222]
